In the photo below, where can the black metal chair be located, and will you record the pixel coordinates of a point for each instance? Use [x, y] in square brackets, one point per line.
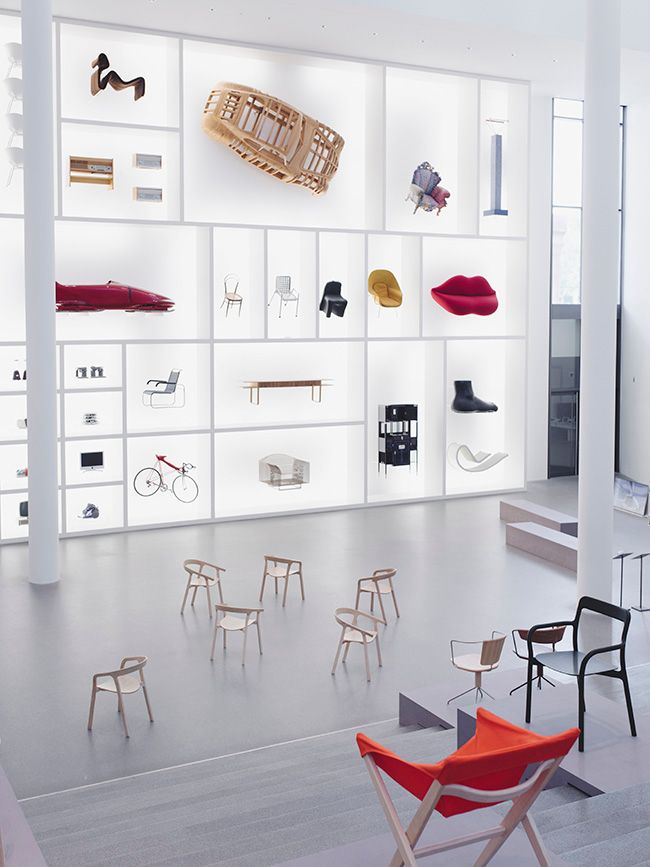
[576, 663]
[332, 302]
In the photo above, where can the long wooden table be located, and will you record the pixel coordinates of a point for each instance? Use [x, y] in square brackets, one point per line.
[316, 386]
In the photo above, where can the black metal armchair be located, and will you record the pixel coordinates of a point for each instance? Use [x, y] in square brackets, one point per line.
[332, 302]
[576, 663]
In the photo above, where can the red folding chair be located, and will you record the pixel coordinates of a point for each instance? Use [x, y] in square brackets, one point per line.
[486, 770]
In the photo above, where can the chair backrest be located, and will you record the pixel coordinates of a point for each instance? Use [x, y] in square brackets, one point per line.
[224, 608]
[14, 122]
[283, 284]
[605, 609]
[203, 569]
[231, 283]
[384, 573]
[494, 758]
[332, 289]
[349, 617]
[491, 649]
[14, 87]
[172, 382]
[15, 157]
[544, 636]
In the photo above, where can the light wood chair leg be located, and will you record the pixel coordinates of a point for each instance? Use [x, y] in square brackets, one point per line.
[392, 593]
[243, 655]
[146, 701]
[120, 707]
[338, 652]
[259, 636]
[214, 638]
[207, 590]
[262, 587]
[379, 660]
[91, 713]
[225, 634]
[194, 596]
[346, 651]
[276, 586]
[372, 601]
[381, 608]
[286, 587]
[187, 590]
[365, 654]
[302, 586]
[358, 599]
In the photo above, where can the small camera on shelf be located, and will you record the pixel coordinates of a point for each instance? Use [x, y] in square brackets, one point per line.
[81, 373]
[97, 372]
[21, 472]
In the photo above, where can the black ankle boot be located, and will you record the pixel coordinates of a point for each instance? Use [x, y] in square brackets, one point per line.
[466, 401]
[16, 374]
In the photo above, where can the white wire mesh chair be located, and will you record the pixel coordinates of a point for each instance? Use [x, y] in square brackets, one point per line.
[285, 293]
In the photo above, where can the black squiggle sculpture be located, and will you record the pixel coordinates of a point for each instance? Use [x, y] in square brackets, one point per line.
[98, 83]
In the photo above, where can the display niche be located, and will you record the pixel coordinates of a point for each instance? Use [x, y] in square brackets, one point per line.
[231, 321]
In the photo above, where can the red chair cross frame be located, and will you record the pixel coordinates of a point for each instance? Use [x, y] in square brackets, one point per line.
[485, 771]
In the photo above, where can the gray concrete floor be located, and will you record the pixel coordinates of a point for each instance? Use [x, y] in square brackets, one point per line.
[120, 595]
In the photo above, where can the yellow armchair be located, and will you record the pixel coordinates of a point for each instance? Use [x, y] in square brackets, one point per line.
[384, 288]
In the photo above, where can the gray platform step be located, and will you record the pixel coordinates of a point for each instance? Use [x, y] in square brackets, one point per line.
[543, 542]
[516, 510]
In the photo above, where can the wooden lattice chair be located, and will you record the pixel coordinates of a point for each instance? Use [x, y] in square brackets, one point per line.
[273, 136]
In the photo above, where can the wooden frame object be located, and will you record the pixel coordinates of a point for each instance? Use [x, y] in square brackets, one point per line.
[316, 386]
[487, 659]
[231, 623]
[379, 584]
[281, 568]
[353, 633]
[273, 136]
[451, 779]
[202, 574]
[126, 679]
[91, 170]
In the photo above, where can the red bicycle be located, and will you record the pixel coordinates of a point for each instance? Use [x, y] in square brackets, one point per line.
[149, 480]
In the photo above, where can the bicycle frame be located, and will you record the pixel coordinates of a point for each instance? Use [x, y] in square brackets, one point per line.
[161, 459]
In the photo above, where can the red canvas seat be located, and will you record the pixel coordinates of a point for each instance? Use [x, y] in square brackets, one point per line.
[484, 771]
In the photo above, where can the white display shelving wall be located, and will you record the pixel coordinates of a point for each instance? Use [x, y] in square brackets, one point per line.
[218, 215]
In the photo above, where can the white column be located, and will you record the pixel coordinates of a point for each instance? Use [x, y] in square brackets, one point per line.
[600, 249]
[38, 144]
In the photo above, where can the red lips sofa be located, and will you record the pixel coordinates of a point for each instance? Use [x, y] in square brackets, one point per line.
[462, 295]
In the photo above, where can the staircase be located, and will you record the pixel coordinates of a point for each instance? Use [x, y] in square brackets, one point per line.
[271, 805]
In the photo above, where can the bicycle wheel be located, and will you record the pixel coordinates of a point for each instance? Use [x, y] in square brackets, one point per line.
[147, 482]
[184, 488]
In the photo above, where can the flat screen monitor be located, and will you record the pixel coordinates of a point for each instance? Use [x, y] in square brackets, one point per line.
[92, 460]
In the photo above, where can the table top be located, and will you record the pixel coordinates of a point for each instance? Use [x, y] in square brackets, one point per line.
[284, 383]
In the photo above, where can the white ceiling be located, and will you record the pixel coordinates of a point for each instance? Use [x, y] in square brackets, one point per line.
[538, 40]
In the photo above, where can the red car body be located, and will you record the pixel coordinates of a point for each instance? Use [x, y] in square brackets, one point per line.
[108, 296]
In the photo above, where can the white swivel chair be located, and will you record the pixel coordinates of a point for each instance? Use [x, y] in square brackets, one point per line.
[14, 89]
[285, 293]
[15, 157]
[14, 52]
[483, 656]
[15, 124]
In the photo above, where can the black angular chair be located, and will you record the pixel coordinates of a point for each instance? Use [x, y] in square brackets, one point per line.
[332, 302]
[576, 663]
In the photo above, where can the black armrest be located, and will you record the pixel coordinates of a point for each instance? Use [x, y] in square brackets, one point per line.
[157, 382]
[595, 652]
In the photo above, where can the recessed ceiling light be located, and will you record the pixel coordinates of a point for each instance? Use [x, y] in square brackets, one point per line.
[555, 60]
[374, 34]
[323, 27]
[468, 48]
[512, 54]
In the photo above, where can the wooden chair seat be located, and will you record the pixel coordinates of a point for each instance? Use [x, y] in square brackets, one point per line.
[233, 296]
[381, 586]
[237, 624]
[201, 574]
[354, 635]
[281, 571]
[281, 568]
[128, 683]
[471, 662]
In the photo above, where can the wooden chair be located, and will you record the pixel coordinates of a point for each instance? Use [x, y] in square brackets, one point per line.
[231, 623]
[280, 568]
[379, 584]
[486, 770]
[127, 679]
[487, 659]
[353, 633]
[231, 296]
[542, 636]
[202, 574]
